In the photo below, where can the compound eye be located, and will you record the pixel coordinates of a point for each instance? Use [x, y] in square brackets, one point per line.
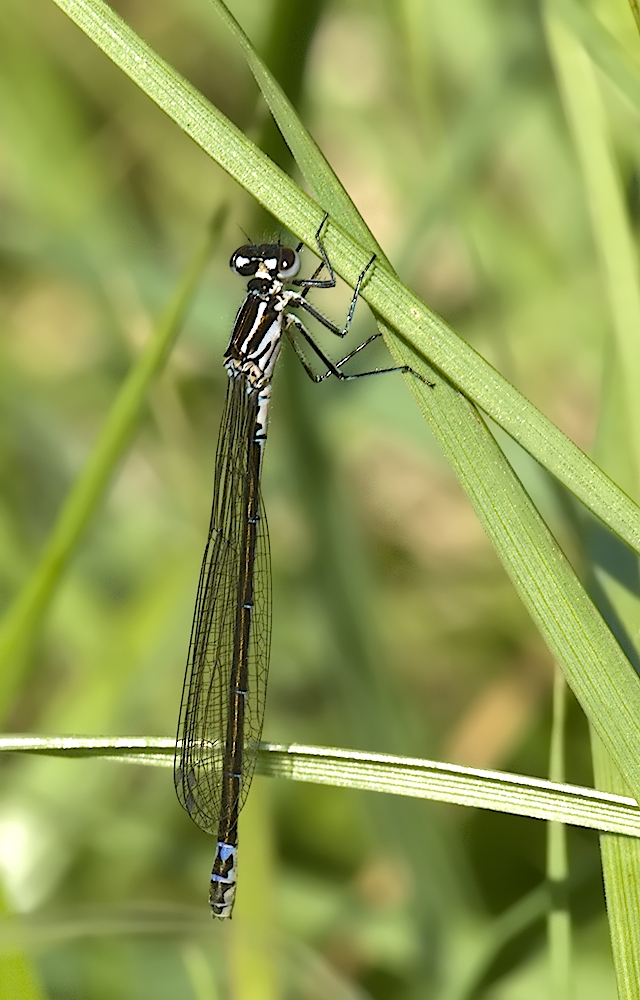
[244, 261]
[289, 263]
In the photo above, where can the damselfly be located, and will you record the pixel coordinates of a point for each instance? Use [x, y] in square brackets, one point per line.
[223, 698]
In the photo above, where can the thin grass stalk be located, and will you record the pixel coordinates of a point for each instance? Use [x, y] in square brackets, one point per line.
[559, 917]
[610, 223]
[396, 304]
[514, 794]
[621, 870]
[478, 463]
[635, 10]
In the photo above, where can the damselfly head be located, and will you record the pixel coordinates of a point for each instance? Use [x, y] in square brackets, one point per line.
[279, 261]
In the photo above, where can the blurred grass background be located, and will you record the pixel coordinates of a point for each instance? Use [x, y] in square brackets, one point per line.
[395, 627]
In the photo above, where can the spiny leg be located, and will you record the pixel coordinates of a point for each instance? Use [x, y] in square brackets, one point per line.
[308, 283]
[329, 282]
[333, 368]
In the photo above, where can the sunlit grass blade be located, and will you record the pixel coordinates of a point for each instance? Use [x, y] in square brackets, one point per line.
[395, 303]
[544, 579]
[621, 868]
[510, 793]
[515, 794]
[311, 163]
[610, 222]
[21, 620]
[604, 49]
[594, 664]
[466, 978]
[617, 250]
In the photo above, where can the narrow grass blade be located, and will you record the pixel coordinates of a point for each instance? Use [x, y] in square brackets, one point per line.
[621, 868]
[311, 162]
[594, 664]
[545, 581]
[558, 918]
[611, 226]
[422, 779]
[21, 620]
[618, 255]
[396, 304]
[501, 792]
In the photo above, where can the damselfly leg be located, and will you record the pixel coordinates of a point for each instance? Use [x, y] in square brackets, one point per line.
[334, 367]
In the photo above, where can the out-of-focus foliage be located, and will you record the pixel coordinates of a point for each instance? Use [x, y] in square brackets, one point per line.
[443, 121]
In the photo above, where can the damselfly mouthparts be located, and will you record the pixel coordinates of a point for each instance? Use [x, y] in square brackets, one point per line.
[224, 690]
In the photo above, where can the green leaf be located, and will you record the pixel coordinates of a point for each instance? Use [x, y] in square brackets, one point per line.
[515, 794]
[544, 579]
[610, 222]
[604, 49]
[592, 660]
[621, 868]
[396, 304]
[559, 917]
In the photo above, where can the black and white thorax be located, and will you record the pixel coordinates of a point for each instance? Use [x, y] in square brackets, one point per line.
[257, 332]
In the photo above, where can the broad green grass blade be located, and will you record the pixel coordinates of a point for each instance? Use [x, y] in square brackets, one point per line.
[483, 472]
[635, 9]
[396, 304]
[21, 620]
[594, 664]
[514, 794]
[467, 977]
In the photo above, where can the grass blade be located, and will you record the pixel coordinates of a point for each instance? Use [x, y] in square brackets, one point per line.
[621, 868]
[602, 46]
[544, 579]
[21, 620]
[611, 227]
[515, 794]
[594, 664]
[395, 303]
[618, 256]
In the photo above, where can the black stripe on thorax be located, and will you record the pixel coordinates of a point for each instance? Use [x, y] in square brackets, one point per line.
[256, 316]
